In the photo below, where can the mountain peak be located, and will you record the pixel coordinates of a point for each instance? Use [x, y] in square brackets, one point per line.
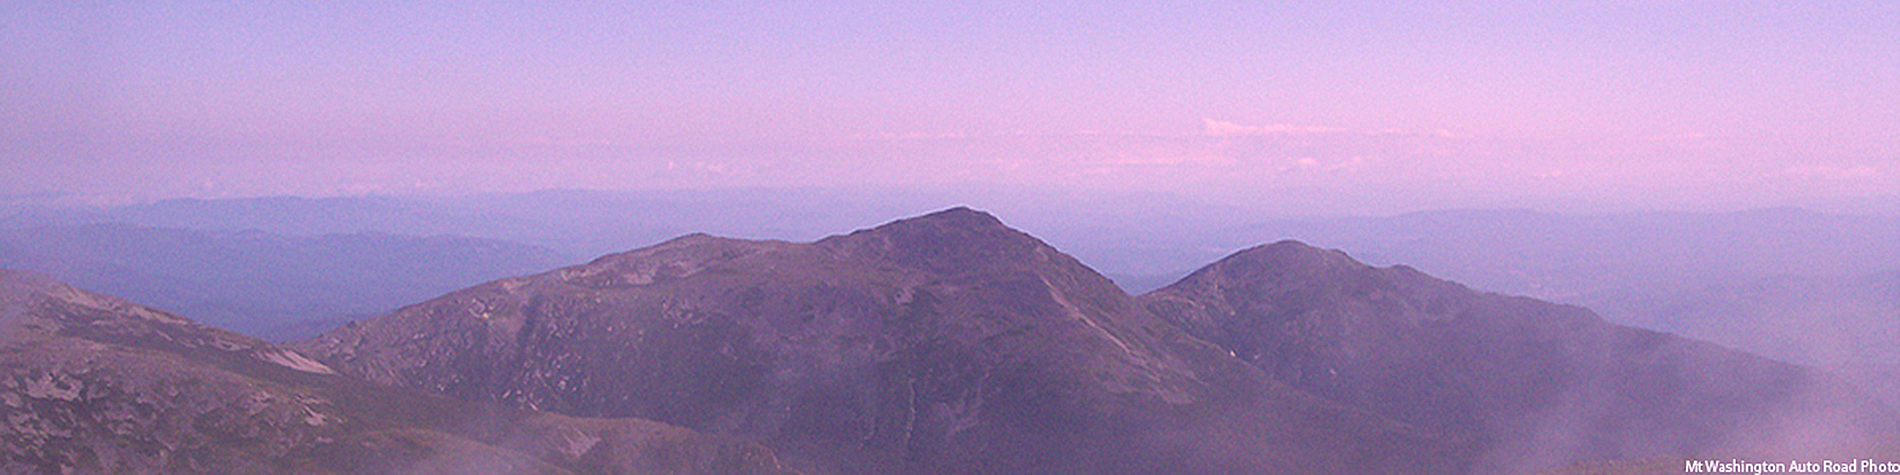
[956, 217]
[1289, 257]
[951, 240]
[1289, 248]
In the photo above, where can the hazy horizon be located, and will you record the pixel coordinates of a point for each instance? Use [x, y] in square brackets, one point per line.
[1336, 109]
[1293, 205]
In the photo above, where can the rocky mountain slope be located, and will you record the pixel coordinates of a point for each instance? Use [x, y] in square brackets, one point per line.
[951, 343]
[947, 343]
[95, 384]
[1536, 384]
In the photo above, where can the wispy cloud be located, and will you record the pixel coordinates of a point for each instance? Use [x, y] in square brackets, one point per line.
[1221, 128]
[1832, 172]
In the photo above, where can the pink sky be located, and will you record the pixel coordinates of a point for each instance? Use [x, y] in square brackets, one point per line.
[1341, 107]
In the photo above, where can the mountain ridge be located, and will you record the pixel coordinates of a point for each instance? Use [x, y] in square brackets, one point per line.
[992, 348]
[943, 343]
[1328, 347]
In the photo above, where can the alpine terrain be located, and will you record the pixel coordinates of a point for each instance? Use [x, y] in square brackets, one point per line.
[951, 343]
[947, 343]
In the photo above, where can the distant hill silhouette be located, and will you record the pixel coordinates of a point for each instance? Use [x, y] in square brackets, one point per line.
[264, 284]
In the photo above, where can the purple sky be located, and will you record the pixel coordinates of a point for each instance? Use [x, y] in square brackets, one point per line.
[1334, 107]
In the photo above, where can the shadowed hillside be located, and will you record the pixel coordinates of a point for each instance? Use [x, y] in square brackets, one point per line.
[1537, 384]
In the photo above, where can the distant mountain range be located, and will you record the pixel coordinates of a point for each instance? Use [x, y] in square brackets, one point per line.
[268, 285]
[1849, 324]
[1144, 240]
